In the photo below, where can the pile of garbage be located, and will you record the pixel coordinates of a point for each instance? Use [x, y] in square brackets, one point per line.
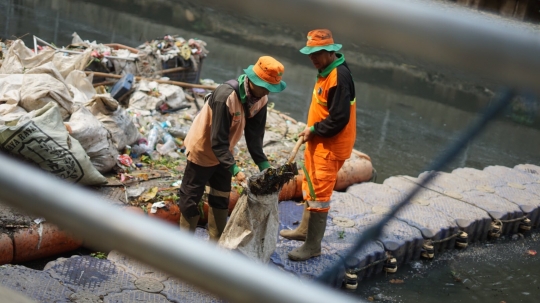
[173, 56]
[55, 115]
[52, 115]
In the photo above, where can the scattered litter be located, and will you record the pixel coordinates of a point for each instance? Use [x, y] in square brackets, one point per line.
[135, 191]
[39, 220]
[125, 160]
[150, 194]
[157, 205]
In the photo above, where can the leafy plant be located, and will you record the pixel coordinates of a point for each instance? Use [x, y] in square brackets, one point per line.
[99, 255]
[146, 159]
[341, 234]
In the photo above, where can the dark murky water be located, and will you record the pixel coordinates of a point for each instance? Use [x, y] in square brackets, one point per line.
[404, 122]
[502, 271]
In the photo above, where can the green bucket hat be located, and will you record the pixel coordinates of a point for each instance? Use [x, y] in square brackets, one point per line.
[267, 73]
[320, 39]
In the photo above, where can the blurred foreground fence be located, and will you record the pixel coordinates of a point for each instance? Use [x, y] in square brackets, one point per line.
[474, 45]
[429, 30]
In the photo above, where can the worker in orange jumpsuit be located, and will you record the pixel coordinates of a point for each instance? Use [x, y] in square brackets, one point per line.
[329, 137]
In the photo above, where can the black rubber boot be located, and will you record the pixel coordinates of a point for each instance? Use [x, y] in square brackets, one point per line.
[312, 247]
[189, 224]
[217, 219]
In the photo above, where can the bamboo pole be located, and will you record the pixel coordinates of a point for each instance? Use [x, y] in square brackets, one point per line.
[171, 70]
[182, 84]
[104, 83]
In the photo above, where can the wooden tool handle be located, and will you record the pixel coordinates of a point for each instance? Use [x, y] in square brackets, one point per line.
[295, 149]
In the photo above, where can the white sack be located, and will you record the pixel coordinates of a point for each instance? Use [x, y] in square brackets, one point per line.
[94, 138]
[253, 227]
[65, 63]
[80, 86]
[42, 85]
[10, 96]
[141, 100]
[20, 58]
[14, 115]
[115, 119]
[173, 95]
[40, 137]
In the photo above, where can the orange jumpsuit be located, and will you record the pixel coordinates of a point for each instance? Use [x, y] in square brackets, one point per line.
[332, 118]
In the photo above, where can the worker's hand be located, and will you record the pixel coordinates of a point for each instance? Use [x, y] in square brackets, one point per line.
[307, 134]
[240, 177]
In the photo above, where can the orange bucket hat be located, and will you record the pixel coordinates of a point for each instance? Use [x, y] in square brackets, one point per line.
[320, 39]
[267, 73]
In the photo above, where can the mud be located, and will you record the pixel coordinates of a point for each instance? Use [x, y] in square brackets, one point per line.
[271, 180]
[12, 219]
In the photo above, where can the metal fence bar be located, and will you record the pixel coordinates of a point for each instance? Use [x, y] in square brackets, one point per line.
[156, 243]
[428, 30]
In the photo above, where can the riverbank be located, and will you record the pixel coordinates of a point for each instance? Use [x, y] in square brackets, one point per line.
[148, 19]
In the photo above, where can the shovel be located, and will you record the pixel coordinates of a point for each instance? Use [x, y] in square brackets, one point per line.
[295, 149]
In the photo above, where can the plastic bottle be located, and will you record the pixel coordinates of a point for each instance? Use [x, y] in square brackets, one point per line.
[138, 150]
[179, 131]
[165, 124]
[168, 146]
[153, 136]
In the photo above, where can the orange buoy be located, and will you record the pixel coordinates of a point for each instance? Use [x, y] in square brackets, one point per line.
[170, 212]
[135, 209]
[6, 249]
[40, 241]
[352, 172]
[288, 190]
[292, 190]
[233, 198]
[203, 219]
[298, 195]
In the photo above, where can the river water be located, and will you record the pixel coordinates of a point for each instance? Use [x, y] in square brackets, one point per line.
[406, 115]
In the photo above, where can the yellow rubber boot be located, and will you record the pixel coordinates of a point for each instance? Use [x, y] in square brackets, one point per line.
[300, 232]
[189, 224]
[312, 247]
[217, 219]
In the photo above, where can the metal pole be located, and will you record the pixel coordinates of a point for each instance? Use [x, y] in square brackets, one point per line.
[426, 30]
[156, 243]
[36, 39]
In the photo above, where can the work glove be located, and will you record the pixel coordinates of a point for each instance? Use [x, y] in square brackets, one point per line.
[240, 177]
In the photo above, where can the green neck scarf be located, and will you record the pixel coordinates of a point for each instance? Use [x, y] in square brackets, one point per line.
[325, 72]
[242, 88]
